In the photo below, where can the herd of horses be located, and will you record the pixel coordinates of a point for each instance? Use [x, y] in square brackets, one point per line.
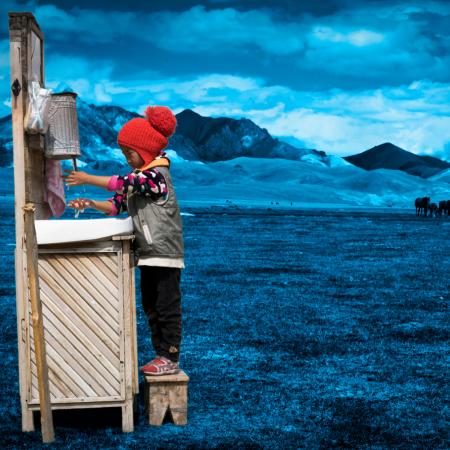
[425, 207]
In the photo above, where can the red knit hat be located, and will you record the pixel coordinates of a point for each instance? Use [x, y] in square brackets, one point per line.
[148, 136]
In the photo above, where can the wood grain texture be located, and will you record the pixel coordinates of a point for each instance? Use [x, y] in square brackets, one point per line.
[82, 298]
[17, 109]
[48, 434]
[167, 394]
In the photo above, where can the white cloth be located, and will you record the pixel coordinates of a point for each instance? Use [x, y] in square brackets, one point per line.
[161, 262]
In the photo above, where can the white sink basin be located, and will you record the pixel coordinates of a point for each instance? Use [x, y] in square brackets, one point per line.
[60, 231]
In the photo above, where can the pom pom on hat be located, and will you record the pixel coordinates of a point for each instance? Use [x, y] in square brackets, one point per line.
[148, 136]
[161, 118]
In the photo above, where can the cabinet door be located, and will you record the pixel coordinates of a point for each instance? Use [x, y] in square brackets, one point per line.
[82, 306]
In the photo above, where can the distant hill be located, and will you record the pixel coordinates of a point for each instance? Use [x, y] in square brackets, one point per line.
[251, 182]
[197, 138]
[210, 139]
[389, 156]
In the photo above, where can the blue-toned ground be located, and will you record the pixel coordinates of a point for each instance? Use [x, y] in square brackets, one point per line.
[308, 329]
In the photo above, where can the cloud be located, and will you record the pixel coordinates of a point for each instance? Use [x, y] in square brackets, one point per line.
[228, 29]
[352, 45]
[385, 44]
[87, 78]
[358, 38]
[342, 81]
[193, 30]
[415, 117]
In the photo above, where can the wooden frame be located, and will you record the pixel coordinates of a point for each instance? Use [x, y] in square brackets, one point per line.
[89, 321]
[29, 188]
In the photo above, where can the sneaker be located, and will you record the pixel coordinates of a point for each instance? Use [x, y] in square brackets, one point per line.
[160, 366]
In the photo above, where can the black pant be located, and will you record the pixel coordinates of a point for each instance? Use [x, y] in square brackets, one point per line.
[161, 300]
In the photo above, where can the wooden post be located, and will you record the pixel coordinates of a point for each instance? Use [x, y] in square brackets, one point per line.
[25, 64]
[128, 407]
[18, 104]
[166, 393]
[48, 434]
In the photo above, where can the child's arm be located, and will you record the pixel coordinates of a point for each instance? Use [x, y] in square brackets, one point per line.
[150, 183]
[83, 203]
[76, 178]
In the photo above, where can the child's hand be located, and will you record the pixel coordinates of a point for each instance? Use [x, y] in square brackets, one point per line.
[75, 178]
[81, 203]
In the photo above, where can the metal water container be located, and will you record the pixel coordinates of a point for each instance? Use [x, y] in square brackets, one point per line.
[62, 140]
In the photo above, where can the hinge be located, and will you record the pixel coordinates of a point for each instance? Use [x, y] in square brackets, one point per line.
[16, 88]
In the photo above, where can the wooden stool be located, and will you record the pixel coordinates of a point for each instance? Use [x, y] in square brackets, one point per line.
[166, 392]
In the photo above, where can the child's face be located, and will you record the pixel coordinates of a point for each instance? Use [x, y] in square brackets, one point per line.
[133, 157]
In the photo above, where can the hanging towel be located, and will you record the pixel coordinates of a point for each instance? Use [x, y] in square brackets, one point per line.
[54, 187]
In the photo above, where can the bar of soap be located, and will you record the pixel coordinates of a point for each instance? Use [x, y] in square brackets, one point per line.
[60, 231]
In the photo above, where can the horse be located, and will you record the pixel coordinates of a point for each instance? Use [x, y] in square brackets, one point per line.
[443, 207]
[422, 203]
[433, 209]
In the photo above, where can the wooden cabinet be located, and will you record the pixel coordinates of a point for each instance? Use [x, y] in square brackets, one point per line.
[88, 303]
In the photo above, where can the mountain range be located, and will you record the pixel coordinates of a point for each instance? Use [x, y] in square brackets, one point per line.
[223, 161]
[206, 139]
[209, 139]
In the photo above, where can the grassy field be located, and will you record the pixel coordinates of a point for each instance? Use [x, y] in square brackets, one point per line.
[302, 329]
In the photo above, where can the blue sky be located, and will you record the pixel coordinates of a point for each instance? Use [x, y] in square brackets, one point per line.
[336, 75]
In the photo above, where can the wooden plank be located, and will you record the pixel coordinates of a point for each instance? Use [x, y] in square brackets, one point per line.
[34, 158]
[82, 353]
[127, 416]
[84, 348]
[104, 264]
[17, 110]
[99, 363]
[94, 246]
[35, 174]
[87, 338]
[123, 237]
[134, 326]
[121, 326]
[63, 365]
[69, 300]
[34, 393]
[124, 267]
[106, 402]
[103, 282]
[48, 434]
[75, 304]
[181, 376]
[60, 366]
[27, 327]
[90, 304]
[104, 313]
[70, 353]
[90, 292]
[57, 389]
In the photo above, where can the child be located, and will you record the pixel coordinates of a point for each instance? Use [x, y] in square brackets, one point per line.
[148, 195]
